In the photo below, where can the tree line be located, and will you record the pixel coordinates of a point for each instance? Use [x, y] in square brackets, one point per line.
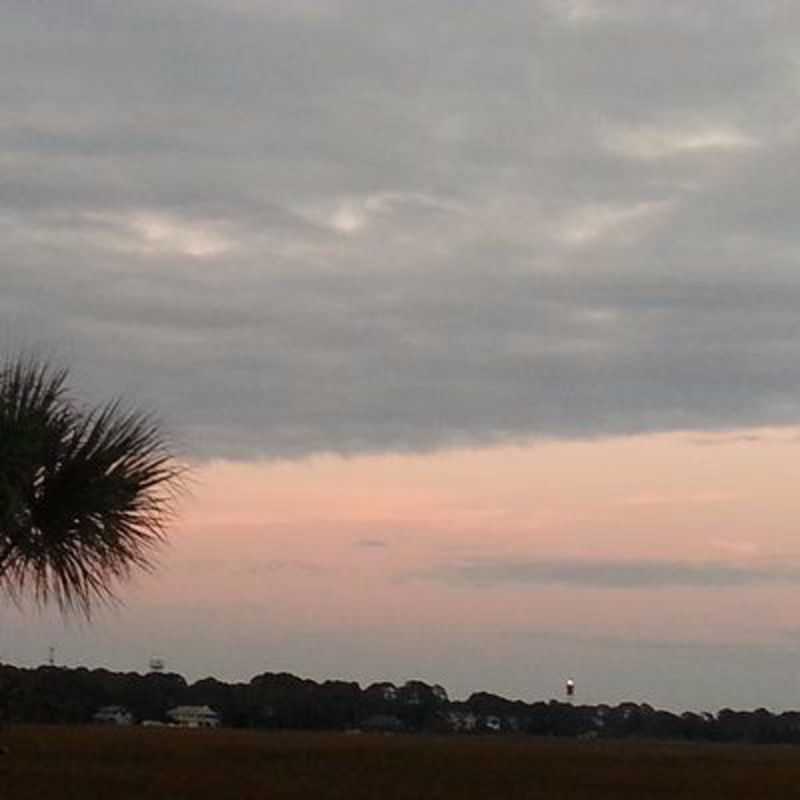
[59, 695]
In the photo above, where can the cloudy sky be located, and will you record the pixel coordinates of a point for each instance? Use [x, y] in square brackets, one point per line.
[478, 322]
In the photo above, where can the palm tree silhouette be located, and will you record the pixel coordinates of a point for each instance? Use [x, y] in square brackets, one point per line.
[85, 493]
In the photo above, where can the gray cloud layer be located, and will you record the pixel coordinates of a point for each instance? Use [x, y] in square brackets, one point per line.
[627, 574]
[336, 225]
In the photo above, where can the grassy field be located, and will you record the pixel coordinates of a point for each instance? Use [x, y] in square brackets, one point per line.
[90, 763]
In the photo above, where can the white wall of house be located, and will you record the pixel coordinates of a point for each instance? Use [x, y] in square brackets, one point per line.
[194, 716]
[113, 715]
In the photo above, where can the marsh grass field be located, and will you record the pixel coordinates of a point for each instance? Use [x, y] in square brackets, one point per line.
[93, 763]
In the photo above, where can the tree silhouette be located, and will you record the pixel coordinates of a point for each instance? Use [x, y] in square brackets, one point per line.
[85, 493]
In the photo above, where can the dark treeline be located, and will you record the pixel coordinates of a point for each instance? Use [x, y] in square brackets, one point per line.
[284, 701]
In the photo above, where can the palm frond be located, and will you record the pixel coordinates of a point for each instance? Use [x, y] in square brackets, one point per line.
[85, 496]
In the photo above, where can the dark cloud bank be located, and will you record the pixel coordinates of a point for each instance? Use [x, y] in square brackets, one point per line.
[337, 226]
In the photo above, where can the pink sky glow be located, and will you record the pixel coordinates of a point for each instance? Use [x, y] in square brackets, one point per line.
[362, 556]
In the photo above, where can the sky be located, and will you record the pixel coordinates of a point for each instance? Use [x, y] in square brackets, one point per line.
[477, 324]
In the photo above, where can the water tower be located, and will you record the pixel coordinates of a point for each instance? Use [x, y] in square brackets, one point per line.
[156, 664]
[569, 689]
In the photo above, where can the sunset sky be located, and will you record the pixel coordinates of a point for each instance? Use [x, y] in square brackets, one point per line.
[477, 322]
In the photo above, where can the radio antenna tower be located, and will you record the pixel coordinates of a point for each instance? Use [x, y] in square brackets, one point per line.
[156, 664]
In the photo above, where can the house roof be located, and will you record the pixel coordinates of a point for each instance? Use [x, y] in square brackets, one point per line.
[191, 710]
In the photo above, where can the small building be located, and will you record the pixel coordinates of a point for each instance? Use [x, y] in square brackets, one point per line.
[194, 717]
[113, 715]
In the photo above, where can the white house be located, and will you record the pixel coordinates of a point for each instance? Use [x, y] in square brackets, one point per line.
[194, 716]
[113, 715]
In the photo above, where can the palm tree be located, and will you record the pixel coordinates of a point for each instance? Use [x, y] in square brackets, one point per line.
[85, 494]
